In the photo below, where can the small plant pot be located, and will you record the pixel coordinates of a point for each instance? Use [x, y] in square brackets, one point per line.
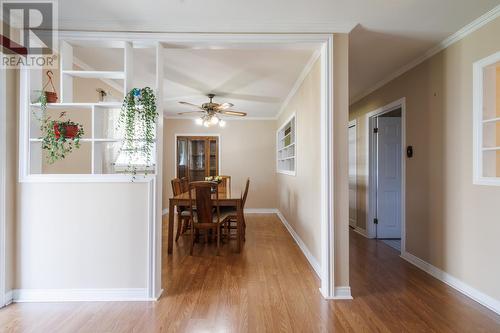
[70, 131]
[51, 96]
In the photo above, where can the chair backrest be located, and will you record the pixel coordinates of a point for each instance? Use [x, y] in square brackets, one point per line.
[202, 204]
[225, 183]
[176, 186]
[184, 184]
[245, 194]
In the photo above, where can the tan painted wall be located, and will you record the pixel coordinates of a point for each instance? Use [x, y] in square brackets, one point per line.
[450, 223]
[341, 158]
[11, 175]
[299, 195]
[247, 149]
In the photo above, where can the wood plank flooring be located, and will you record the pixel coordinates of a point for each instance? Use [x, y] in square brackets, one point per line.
[269, 287]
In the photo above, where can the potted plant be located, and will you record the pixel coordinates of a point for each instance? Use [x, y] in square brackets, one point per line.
[59, 137]
[138, 121]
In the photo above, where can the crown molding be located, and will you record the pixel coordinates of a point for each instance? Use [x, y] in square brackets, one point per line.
[457, 36]
[298, 83]
[274, 25]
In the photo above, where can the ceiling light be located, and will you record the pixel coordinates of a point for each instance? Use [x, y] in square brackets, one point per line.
[222, 123]
[199, 121]
[206, 123]
[214, 120]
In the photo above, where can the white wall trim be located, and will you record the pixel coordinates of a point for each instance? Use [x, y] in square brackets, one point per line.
[459, 285]
[370, 193]
[457, 36]
[298, 83]
[302, 246]
[478, 121]
[3, 194]
[81, 295]
[246, 211]
[341, 293]
[361, 231]
[9, 297]
[353, 221]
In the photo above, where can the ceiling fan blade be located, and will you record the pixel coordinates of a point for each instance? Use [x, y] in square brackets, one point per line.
[224, 106]
[234, 113]
[191, 104]
[181, 113]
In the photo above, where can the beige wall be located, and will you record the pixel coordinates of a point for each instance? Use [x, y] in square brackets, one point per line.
[299, 196]
[340, 202]
[450, 223]
[247, 149]
[11, 175]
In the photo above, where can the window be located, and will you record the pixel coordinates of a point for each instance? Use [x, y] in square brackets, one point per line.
[487, 121]
[286, 146]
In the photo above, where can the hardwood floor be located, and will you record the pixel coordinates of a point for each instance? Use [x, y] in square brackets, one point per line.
[269, 287]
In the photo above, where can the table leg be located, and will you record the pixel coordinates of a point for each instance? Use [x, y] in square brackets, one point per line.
[239, 225]
[170, 237]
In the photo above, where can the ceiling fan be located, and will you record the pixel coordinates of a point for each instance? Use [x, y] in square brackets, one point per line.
[212, 112]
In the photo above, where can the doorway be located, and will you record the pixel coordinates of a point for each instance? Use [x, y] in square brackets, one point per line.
[352, 173]
[386, 174]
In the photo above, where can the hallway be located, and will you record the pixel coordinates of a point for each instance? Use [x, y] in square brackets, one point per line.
[270, 287]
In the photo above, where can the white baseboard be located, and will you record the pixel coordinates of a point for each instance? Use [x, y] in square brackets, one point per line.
[467, 290]
[361, 231]
[247, 211]
[261, 211]
[9, 295]
[312, 261]
[80, 295]
[340, 293]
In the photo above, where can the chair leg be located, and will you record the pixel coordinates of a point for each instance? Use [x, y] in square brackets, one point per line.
[192, 241]
[179, 227]
[218, 238]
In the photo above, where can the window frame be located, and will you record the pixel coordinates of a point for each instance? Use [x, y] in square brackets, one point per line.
[479, 121]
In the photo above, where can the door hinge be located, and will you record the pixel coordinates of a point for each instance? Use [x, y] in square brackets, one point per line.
[375, 130]
[375, 221]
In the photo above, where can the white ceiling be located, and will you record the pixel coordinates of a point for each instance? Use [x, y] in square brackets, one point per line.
[256, 78]
[386, 34]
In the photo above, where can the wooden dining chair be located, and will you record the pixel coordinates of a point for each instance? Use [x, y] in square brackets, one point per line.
[184, 184]
[225, 184]
[231, 216]
[183, 213]
[204, 209]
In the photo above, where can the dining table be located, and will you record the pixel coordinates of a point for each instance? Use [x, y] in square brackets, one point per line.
[228, 197]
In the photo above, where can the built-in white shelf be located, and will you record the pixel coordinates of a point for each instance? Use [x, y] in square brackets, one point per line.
[493, 120]
[110, 105]
[491, 148]
[96, 74]
[286, 148]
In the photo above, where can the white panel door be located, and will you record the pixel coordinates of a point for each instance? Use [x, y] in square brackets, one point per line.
[389, 177]
[352, 176]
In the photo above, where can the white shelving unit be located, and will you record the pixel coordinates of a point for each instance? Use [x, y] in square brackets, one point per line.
[98, 117]
[286, 147]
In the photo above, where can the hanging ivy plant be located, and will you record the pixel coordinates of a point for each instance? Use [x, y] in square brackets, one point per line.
[138, 119]
[59, 137]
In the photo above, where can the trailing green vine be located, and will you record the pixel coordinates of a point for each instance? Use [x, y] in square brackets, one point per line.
[59, 138]
[138, 120]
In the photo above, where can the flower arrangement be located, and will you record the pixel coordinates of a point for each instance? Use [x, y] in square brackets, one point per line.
[217, 179]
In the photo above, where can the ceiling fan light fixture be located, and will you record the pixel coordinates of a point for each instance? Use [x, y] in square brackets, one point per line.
[222, 123]
[199, 121]
[214, 120]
